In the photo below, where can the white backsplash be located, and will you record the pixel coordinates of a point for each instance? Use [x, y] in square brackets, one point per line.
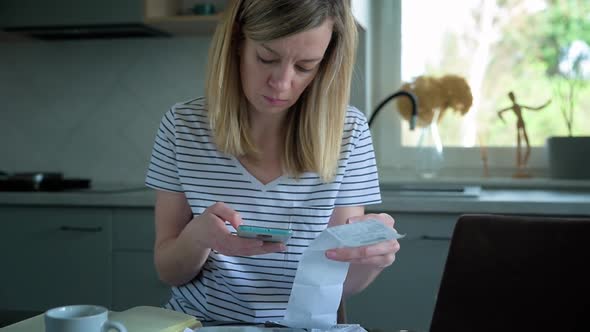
[91, 108]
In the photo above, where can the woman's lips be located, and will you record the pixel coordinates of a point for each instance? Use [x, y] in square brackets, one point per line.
[275, 101]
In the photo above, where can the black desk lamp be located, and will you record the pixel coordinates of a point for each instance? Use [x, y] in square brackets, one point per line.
[413, 101]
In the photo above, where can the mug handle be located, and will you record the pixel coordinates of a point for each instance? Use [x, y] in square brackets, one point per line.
[111, 324]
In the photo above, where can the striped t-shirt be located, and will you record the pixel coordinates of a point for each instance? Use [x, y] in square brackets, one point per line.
[253, 289]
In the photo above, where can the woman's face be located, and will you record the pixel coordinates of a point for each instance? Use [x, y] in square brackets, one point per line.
[275, 73]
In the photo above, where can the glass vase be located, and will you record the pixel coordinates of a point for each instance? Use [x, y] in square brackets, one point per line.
[429, 154]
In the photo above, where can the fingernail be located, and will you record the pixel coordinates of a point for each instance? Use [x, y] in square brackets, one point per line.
[331, 254]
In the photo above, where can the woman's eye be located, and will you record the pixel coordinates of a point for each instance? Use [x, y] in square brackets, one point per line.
[265, 61]
[303, 70]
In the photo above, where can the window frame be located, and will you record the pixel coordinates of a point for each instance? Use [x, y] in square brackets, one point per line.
[383, 67]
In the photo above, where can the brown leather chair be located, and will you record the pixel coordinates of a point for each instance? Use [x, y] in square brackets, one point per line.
[516, 273]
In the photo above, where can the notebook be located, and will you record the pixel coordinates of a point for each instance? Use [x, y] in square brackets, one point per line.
[154, 319]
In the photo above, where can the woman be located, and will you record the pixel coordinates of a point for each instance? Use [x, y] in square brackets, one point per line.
[274, 144]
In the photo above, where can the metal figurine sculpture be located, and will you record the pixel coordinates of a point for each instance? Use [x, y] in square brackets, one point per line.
[521, 161]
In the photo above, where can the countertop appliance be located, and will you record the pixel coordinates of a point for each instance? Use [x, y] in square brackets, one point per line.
[40, 181]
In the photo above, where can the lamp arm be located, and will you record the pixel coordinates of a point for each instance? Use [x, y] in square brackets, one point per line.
[413, 101]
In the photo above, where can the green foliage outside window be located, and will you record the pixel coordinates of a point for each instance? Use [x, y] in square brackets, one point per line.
[523, 46]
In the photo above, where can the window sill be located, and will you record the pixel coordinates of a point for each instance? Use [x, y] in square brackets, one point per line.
[497, 178]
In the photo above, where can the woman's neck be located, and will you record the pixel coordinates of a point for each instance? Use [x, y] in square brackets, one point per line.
[266, 130]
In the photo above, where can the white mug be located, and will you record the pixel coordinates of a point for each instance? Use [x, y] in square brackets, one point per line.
[80, 318]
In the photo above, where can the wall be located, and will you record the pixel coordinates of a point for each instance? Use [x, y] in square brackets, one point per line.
[91, 108]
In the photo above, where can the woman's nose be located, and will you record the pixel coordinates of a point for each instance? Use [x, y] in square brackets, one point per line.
[281, 78]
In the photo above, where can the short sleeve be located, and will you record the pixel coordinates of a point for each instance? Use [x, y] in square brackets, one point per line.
[162, 172]
[360, 180]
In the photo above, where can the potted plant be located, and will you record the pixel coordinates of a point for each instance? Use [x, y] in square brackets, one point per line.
[562, 50]
[568, 156]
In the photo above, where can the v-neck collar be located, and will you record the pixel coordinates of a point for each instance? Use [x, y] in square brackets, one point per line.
[254, 180]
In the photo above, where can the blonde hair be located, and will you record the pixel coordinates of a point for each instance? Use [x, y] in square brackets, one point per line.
[315, 123]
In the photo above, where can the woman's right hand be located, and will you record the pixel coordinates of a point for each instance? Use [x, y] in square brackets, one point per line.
[183, 241]
[210, 232]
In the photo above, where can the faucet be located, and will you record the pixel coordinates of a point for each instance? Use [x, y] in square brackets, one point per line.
[413, 101]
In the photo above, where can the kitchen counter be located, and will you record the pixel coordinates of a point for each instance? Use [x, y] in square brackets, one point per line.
[99, 196]
[509, 201]
[475, 199]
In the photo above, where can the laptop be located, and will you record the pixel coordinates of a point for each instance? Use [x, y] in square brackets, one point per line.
[515, 273]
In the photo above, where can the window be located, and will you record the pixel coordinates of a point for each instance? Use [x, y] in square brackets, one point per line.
[538, 49]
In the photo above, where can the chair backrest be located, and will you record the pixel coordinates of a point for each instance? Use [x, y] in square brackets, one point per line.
[516, 273]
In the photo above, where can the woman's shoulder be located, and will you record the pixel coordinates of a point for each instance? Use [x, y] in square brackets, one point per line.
[188, 111]
[196, 106]
[355, 119]
[186, 116]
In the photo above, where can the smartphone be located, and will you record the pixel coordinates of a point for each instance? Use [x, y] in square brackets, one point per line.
[265, 233]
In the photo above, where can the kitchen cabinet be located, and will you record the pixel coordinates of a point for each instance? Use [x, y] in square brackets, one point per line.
[22, 20]
[165, 15]
[135, 281]
[404, 295]
[65, 19]
[53, 256]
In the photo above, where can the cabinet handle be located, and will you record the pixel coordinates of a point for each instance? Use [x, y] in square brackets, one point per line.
[95, 229]
[435, 238]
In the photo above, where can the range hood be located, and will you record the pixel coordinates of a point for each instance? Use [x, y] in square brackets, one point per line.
[75, 19]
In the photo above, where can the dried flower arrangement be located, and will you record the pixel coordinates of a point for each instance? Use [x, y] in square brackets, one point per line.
[436, 94]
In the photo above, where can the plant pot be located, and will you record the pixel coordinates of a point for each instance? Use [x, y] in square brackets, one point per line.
[569, 157]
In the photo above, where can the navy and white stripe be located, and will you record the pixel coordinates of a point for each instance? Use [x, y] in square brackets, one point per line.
[253, 289]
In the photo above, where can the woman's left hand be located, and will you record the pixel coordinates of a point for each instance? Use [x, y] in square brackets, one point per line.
[379, 255]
